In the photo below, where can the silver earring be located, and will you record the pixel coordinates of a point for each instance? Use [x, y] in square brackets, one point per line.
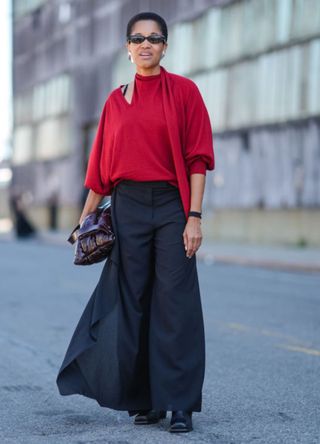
[163, 54]
[130, 57]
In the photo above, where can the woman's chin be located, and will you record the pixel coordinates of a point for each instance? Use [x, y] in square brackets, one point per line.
[147, 64]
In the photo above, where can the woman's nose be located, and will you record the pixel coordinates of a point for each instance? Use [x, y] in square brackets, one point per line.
[146, 44]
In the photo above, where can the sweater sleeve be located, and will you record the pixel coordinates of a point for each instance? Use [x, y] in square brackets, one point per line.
[199, 152]
[93, 179]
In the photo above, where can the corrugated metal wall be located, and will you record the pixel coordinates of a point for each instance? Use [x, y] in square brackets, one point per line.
[257, 64]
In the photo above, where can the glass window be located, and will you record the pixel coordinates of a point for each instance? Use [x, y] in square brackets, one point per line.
[231, 32]
[242, 85]
[53, 138]
[211, 50]
[51, 98]
[313, 72]
[39, 102]
[283, 20]
[217, 99]
[22, 145]
[306, 18]
[22, 7]
[203, 42]
[23, 108]
[181, 44]
[294, 81]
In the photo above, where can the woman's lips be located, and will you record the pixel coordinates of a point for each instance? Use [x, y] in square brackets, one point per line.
[145, 55]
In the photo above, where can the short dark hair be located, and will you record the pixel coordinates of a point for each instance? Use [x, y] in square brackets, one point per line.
[148, 16]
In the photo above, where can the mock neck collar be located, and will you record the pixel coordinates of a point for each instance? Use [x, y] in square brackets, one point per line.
[149, 78]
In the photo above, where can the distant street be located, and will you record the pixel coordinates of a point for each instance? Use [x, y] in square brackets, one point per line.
[262, 381]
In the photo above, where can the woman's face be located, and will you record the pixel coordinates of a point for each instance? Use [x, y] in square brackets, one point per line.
[146, 55]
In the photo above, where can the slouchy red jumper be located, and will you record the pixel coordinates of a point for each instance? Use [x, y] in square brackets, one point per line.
[163, 134]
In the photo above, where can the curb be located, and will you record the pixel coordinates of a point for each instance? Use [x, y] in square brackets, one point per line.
[209, 258]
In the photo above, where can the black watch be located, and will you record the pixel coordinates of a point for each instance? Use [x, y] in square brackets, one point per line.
[195, 213]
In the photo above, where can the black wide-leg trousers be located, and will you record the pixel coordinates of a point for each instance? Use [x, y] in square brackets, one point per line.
[140, 342]
[163, 336]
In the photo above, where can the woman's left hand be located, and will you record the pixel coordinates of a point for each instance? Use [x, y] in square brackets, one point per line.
[192, 236]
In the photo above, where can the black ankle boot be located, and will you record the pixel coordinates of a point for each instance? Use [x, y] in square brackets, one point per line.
[149, 416]
[181, 421]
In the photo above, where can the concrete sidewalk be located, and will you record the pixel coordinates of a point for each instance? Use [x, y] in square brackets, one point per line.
[285, 257]
[290, 258]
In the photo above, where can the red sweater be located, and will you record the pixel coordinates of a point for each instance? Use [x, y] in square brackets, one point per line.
[164, 134]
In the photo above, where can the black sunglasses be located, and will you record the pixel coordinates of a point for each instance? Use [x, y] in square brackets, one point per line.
[153, 38]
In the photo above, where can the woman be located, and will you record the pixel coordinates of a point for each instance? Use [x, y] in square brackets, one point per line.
[139, 345]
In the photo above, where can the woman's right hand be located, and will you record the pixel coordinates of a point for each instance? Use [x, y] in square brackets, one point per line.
[92, 202]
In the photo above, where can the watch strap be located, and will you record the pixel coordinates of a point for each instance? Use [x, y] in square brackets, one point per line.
[195, 213]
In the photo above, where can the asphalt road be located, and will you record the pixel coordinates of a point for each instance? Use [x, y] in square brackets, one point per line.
[263, 355]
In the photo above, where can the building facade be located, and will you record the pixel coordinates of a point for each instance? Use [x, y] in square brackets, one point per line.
[257, 64]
